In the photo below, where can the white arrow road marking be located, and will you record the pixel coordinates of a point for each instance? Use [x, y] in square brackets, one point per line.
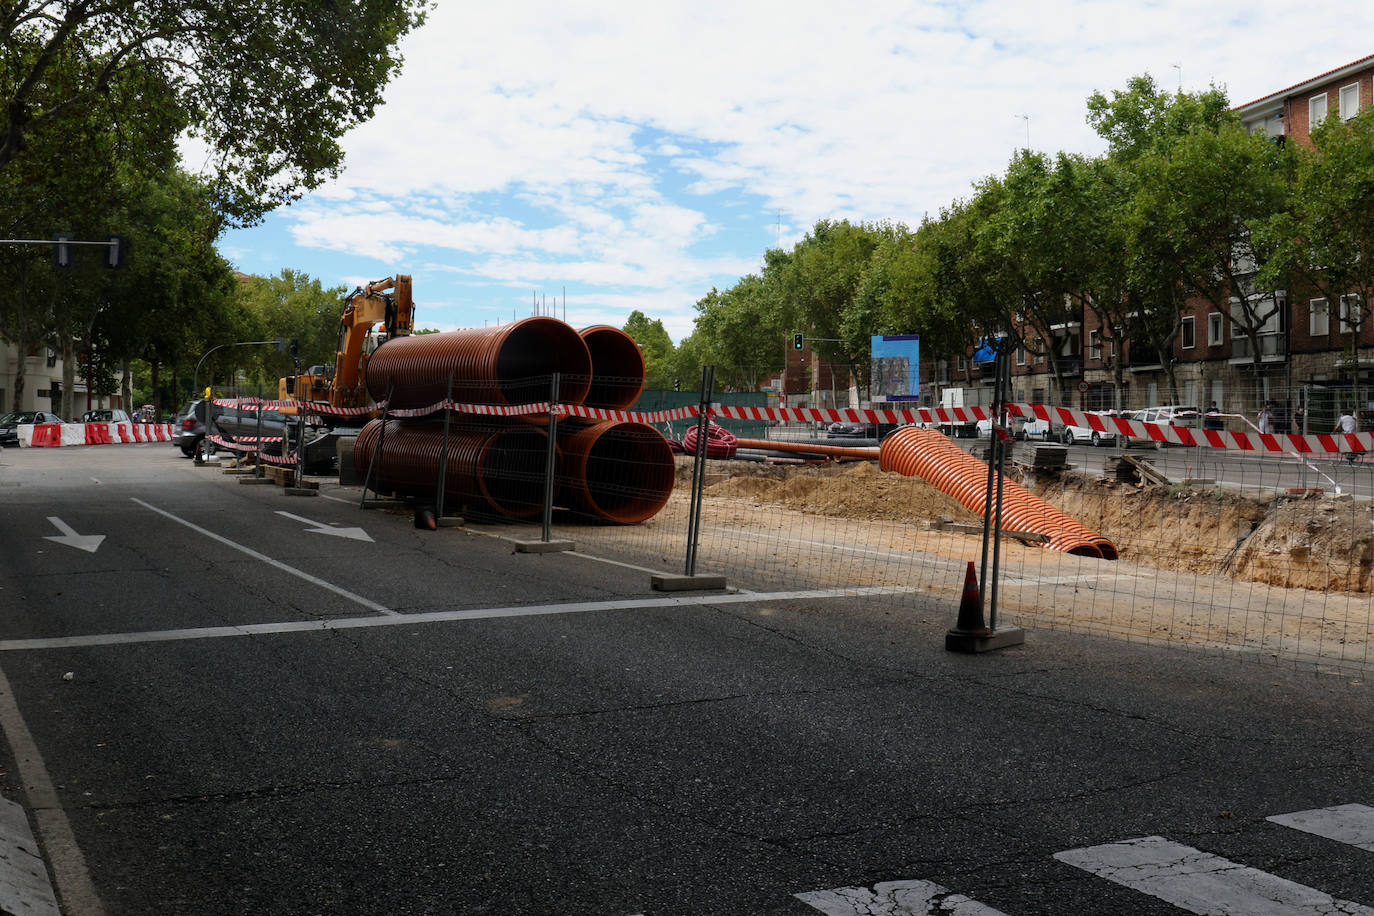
[356, 534]
[894, 898]
[87, 542]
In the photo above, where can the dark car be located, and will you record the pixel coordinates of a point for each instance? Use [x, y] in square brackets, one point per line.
[189, 428]
[10, 423]
[246, 424]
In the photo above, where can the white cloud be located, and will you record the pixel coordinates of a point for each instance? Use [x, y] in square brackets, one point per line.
[599, 143]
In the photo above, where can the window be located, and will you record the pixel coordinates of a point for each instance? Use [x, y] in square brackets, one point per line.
[1021, 355]
[1094, 345]
[1316, 110]
[960, 363]
[1319, 318]
[1350, 313]
[1350, 101]
[1040, 350]
[1187, 336]
[1214, 329]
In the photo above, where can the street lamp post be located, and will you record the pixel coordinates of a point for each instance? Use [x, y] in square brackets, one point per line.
[195, 382]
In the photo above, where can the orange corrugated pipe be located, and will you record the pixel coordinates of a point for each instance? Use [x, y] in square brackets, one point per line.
[833, 451]
[927, 453]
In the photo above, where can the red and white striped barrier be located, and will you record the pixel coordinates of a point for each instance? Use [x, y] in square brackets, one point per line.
[53, 435]
[1275, 444]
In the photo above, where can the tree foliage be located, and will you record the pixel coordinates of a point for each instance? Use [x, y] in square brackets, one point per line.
[268, 86]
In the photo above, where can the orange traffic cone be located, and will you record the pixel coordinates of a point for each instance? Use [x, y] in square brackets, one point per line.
[425, 519]
[971, 606]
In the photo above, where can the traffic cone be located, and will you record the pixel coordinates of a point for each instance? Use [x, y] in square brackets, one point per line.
[971, 606]
[425, 519]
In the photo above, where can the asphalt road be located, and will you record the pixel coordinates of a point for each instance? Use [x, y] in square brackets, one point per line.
[264, 718]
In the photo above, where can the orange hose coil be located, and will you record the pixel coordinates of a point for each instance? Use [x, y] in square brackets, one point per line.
[927, 453]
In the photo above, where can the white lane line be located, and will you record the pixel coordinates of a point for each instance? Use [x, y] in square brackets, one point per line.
[69, 871]
[1200, 882]
[276, 564]
[1350, 824]
[394, 619]
[895, 898]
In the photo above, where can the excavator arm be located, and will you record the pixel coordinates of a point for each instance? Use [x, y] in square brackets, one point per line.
[366, 307]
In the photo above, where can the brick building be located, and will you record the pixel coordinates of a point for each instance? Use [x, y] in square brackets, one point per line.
[1312, 352]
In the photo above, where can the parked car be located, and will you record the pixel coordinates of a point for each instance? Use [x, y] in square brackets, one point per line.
[237, 424]
[1018, 426]
[189, 428]
[1072, 434]
[10, 423]
[1172, 414]
[105, 416]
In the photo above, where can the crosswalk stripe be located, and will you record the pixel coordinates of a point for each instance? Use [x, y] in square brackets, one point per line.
[894, 898]
[1203, 883]
[1350, 824]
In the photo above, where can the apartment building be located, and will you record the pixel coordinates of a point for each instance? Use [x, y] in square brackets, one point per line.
[1305, 343]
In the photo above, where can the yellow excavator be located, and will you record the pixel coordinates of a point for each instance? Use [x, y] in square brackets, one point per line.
[386, 302]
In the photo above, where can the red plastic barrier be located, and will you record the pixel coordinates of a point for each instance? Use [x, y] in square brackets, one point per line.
[928, 454]
[47, 435]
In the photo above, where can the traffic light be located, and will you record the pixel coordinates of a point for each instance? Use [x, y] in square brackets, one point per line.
[62, 251]
[797, 341]
[295, 348]
[114, 256]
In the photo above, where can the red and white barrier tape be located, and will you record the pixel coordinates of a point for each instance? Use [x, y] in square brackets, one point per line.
[1278, 444]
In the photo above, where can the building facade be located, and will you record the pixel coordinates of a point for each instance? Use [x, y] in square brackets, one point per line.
[1313, 354]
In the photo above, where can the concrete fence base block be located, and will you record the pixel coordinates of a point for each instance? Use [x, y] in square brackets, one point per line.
[1000, 638]
[699, 582]
[258, 480]
[302, 491]
[451, 521]
[543, 546]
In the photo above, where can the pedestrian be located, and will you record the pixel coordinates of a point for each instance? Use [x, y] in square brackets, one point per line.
[1346, 424]
[1300, 421]
[1266, 420]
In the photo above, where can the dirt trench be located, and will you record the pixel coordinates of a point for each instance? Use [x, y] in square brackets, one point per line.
[1324, 544]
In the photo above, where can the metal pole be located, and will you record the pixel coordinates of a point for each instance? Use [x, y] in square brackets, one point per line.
[443, 450]
[376, 460]
[550, 460]
[708, 378]
[257, 471]
[1002, 391]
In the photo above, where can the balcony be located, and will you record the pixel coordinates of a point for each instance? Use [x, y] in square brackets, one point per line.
[1273, 348]
[1068, 366]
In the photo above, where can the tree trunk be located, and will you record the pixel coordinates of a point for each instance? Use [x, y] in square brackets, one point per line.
[68, 377]
[22, 346]
[126, 392]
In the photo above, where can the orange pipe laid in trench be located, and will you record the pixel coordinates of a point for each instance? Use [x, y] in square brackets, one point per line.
[832, 451]
[927, 453]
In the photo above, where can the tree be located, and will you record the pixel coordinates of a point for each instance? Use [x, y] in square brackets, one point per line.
[1325, 240]
[656, 346]
[296, 307]
[268, 86]
[742, 331]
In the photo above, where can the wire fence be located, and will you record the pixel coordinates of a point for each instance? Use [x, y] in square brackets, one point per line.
[1258, 545]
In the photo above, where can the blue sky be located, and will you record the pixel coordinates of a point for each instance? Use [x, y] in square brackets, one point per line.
[632, 155]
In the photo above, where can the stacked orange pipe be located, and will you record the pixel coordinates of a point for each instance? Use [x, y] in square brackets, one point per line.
[927, 453]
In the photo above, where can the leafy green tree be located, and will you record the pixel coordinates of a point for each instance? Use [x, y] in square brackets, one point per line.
[292, 306]
[1325, 239]
[656, 346]
[269, 86]
[742, 328]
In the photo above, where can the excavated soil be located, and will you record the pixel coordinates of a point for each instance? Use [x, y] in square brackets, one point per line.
[1321, 544]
